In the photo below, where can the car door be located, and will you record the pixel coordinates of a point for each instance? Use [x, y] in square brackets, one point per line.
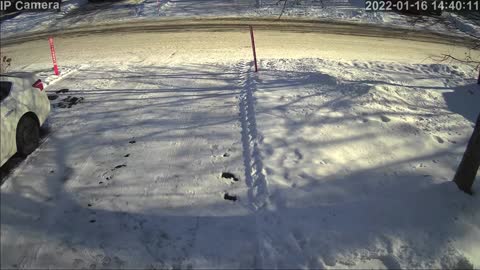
[8, 122]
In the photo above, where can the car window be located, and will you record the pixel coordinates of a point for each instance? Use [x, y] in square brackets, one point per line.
[5, 90]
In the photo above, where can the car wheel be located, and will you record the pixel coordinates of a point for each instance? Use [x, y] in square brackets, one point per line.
[28, 135]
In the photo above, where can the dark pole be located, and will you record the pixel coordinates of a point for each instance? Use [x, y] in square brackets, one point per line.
[468, 167]
[253, 48]
[478, 80]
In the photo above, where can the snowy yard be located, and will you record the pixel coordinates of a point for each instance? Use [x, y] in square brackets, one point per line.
[358, 158]
[344, 146]
[341, 164]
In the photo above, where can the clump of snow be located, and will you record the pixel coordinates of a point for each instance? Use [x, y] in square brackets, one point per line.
[48, 77]
[68, 6]
[463, 24]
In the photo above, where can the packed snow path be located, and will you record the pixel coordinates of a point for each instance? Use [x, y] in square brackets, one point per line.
[344, 157]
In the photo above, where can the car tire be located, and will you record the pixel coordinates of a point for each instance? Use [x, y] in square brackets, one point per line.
[28, 135]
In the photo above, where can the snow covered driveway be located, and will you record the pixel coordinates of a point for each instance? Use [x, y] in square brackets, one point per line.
[344, 156]
[73, 204]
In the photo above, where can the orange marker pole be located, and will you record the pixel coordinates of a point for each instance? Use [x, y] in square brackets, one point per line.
[54, 57]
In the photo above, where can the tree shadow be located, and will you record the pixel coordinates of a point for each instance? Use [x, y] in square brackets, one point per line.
[464, 100]
[9, 166]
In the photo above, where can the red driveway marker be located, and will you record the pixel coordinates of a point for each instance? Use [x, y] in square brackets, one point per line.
[253, 48]
[54, 57]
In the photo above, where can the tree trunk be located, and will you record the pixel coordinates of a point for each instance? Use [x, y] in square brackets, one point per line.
[468, 168]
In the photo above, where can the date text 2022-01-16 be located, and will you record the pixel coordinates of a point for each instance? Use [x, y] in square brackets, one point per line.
[422, 5]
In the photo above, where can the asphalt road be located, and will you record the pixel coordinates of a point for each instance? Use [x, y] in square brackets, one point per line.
[220, 40]
[239, 24]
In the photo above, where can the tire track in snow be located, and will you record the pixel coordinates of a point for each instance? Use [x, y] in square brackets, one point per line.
[254, 171]
[278, 246]
[275, 240]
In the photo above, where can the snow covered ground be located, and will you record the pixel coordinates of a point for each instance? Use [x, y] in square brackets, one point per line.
[175, 132]
[76, 13]
[344, 157]
[358, 157]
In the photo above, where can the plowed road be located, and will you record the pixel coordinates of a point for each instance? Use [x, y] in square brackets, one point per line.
[212, 40]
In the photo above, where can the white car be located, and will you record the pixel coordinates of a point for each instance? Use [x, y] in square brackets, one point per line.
[24, 107]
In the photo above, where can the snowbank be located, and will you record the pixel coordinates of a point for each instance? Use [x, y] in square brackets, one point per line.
[333, 10]
[358, 158]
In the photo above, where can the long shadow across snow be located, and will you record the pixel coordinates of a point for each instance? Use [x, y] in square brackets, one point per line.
[116, 227]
